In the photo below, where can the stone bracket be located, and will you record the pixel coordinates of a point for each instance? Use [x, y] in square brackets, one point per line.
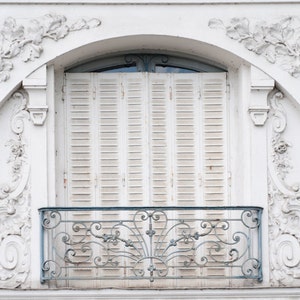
[259, 114]
[261, 86]
[38, 114]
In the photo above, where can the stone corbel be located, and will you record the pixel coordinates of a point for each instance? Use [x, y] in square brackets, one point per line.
[261, 86]
[38, 114]
[259, 114]
[35, 85]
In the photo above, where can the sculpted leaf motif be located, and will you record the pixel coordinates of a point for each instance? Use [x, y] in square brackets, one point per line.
[288, 33]
[276, 41]
[282, 50]
[27, 41]
[32, 52]
[250, 44]
[270, 56]
[232, 33]
[261, 48]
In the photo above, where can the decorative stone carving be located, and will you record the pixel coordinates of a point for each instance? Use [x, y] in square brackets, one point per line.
[38, 114]
[18, 40]
[284, 203]
[278, 42]
[14, 205]
[258, 115]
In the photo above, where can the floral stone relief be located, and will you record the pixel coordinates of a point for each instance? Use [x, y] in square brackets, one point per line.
[284, 202]
[278, 42]
[27, 41]
[14, 204]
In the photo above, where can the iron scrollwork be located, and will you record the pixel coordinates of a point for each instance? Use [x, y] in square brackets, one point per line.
[152, 243]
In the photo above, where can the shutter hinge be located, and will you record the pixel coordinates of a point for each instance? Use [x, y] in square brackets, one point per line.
[63, 91]
[94, 93]
[122, 91]
[65, 179]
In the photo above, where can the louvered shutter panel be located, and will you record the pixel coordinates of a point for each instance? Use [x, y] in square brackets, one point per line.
[80, 160]
[186, 115]
[109, 161]
[135, 153]
[214, 155]
[186, 120]
[109, 139]
[79, 111]
[214, 138]
[160, 132]
[136, 139]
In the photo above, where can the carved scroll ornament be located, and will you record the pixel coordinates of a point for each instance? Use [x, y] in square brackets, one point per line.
[284, 203]
[27, 41]
[278, 42]
[14, 205]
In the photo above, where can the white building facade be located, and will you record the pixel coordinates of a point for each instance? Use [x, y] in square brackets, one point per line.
[149, 149]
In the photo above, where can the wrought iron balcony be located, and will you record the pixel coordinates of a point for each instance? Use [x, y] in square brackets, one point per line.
[150, 243]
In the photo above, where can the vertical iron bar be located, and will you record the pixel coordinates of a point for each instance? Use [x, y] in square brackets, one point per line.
[42, 241]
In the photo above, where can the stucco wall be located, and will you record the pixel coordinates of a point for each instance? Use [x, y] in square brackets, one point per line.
[256, 41]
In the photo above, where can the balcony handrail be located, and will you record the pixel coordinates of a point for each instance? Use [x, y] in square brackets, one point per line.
[151, 242]
[130, 208]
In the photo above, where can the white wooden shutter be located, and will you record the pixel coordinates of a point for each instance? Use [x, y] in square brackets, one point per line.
[135, 147]
[174, 138]
[214, 158]
[160, 139]
[80, 163]
[214, 138]
[109, 140]
[147, 139]
[187, 165]
[79, 134]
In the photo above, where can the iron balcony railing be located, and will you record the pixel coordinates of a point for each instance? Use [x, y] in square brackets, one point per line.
[150, 243]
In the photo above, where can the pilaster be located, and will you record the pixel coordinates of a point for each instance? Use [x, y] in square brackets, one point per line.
[35, 85]
[261, 86]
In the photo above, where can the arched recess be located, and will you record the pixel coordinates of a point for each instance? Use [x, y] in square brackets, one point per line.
[238, 66]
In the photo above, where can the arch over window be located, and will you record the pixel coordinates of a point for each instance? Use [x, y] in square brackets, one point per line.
[153, 63]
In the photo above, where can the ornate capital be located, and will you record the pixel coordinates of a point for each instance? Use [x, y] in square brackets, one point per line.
[278, 42]
[26, 41]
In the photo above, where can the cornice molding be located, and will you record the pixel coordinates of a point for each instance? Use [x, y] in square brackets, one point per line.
[278, 42]
[159, 2]
[26, 41]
